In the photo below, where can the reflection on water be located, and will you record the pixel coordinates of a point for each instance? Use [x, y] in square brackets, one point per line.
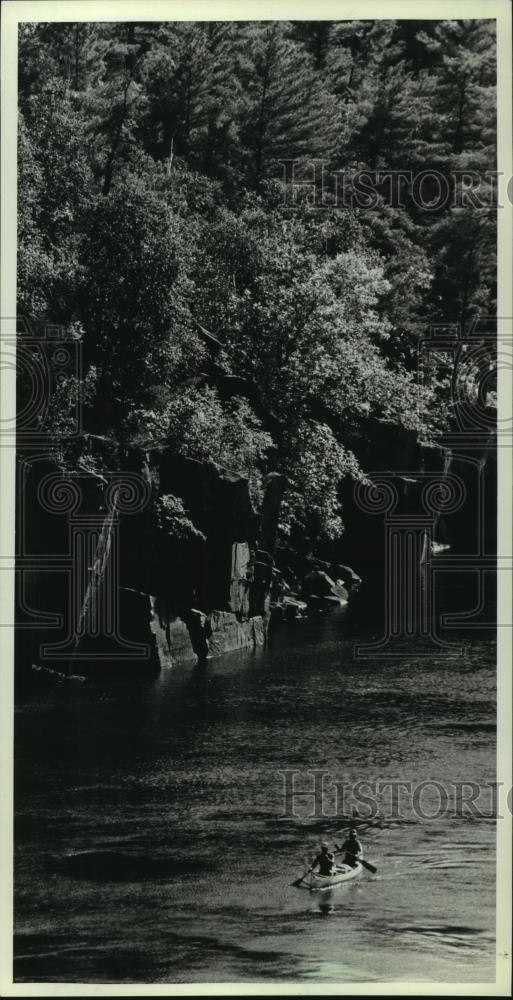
[151, 845]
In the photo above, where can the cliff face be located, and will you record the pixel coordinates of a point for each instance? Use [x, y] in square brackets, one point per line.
[142, 559]
[158, 563]
[206, 574]
[443, 498]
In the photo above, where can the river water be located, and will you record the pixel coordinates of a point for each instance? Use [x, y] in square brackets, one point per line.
[154, 843]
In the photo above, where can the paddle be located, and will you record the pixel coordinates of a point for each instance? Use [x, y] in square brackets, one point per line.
[366, 864]
[298, 881]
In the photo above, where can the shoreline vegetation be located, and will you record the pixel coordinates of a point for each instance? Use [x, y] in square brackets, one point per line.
[245, 353]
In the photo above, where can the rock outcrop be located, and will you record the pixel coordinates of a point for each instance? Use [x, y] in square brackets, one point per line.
[162, 559]
[137, 560]
[320, 591]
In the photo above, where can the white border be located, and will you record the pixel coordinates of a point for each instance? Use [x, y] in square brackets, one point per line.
[14, 12]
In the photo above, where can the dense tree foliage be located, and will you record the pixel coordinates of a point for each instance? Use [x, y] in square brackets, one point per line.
[222, 313]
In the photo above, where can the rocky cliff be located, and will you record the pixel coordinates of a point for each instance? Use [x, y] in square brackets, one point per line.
[141, 559]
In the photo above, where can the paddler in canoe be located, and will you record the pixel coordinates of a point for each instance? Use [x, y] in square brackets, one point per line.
[352, 848]
[325, 861]
[329, 869]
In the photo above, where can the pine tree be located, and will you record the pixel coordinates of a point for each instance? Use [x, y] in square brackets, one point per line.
[462, 239]
[464, 96]
[316, 37]
[388, 109]
[291, 114]
[194, 96]
[115, 101]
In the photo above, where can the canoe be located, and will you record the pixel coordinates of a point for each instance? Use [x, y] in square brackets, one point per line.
[342, 873]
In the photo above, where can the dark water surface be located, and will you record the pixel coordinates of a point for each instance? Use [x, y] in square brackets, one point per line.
[149, 843]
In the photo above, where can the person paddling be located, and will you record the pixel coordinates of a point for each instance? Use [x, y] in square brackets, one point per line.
[327, 865]
[325, 861]
[352, 847]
